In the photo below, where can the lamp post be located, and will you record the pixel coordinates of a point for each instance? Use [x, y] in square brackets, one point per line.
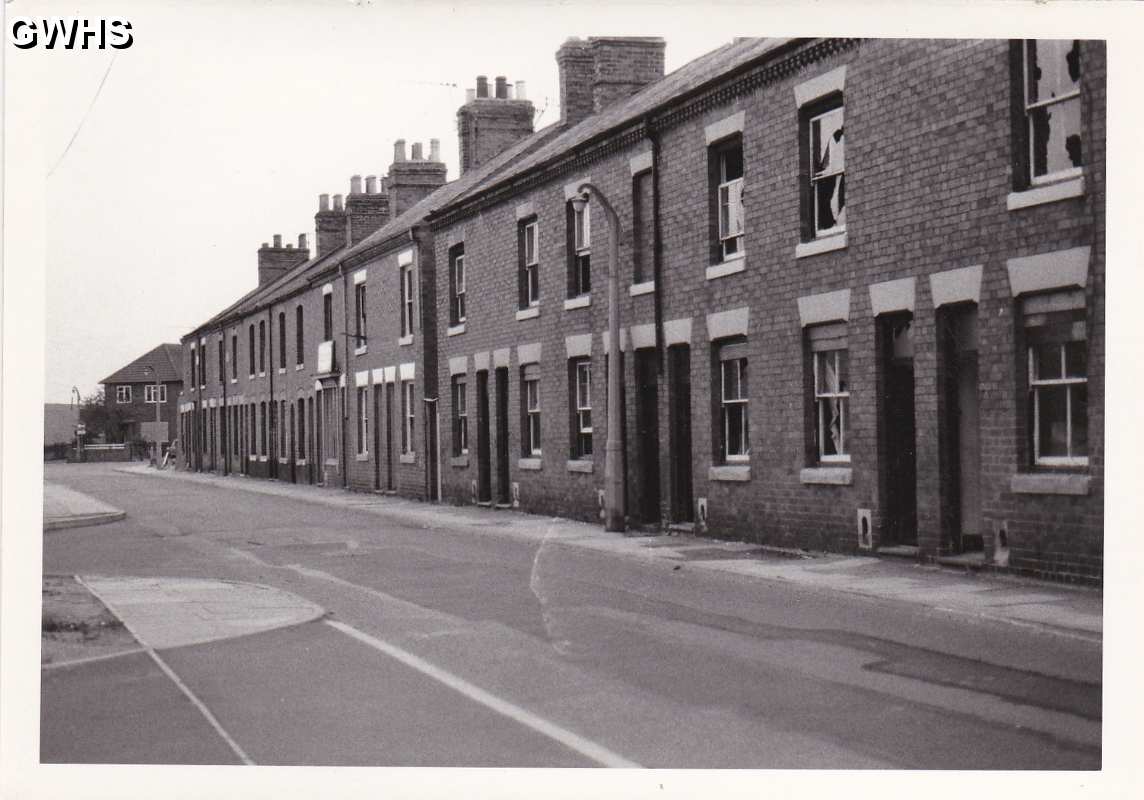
[613, 481]
[158, 419]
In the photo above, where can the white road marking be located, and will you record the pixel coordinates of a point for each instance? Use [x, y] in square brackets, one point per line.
[89, 659]
[573, 741]
[170, 673]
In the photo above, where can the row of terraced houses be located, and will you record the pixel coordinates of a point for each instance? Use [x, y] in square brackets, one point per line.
[861, 305]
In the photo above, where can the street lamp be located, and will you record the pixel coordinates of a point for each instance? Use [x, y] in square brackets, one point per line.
[613, 482]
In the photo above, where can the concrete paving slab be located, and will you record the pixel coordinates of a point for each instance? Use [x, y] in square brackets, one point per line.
[172, 612]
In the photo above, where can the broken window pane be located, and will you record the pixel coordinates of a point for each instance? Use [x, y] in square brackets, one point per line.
[1056, 137]
[1054, 68]
[828, 151]
[1079, 413]
[1052, 410]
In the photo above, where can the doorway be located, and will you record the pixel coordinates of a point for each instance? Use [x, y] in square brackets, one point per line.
[647, 433]
[961, 479]
[293, 447]
[390, 478]
[484, 460]
[377, 389]
[899, 430]
[503, 495]
[679, 401]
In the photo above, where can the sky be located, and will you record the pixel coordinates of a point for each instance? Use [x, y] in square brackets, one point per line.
[222, 124]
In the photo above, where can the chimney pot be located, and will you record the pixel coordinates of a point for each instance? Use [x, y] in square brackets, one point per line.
[371, 184]
[323, 202]
[482, 86]
[355, 184]
[520, 95]
[399, 150]
[416, 151]
[337, 202]
[470, 95]
[277, 240]
[289, 245]
[502, 87]
[302, 242]
[434, 149]
[265, 245]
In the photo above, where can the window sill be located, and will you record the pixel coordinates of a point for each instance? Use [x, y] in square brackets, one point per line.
[827, 476]
[260, 374]
[361, 457]
[636, 289]
[331, 462]
[459, 461]
[580, 465]
[249, 377]
[532, 463]
[455, 330]
[301, 462]
[405, 340]
[407, 458]
[528, 313]
[728, 267]
[729, 472]
[284, 461]
[299, 367]
[583, 301]
[234, 380]
[262, 459]
[1049, 483]
[824, 244]
[361, 351]
[282, 370]
[1039, 195]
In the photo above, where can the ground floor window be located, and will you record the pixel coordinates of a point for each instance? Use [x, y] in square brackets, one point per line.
[831, 366]
[734, 434]
[1057, 356]
[408, 414]
[531, 398]
[460, 416]
[363, 420]
[581, 375]
[265, 438]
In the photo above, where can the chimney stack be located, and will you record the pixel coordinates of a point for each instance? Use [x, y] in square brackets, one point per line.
[399, 151]
[411, 181]
[434, 149]
[274, 260]
[487, 125]
[576, 66]
[365, 212]
[622, 65]
[330, 224]
[371, 184]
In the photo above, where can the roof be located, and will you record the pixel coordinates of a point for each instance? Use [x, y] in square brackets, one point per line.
[297, 277]
[687, 78]
[166, 360]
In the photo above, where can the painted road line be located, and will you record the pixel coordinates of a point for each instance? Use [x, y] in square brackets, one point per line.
[170, 673]
[579, 744]
[75, 662]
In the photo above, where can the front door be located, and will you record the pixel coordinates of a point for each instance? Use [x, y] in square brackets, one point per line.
[377, 388]
[292, 452]
[647, 431]
[898, 430]
[390, 478]
[682, 502]
[484, 459]
[503, 495]
[962, 480]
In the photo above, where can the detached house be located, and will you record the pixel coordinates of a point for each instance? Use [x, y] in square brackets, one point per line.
[862, 304]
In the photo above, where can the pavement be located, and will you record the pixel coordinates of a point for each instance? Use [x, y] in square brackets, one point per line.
[1059, 609]
[67, 508]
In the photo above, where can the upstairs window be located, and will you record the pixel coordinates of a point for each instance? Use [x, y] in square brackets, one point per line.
[643, 231]
[735, 433]
[530, 379]
[123, 394]
[407, 296]
[581, 374]
[282, 340]
[725, 162]
[457, 285]
[529, 257]
[251, 350]
[299, 336]
[827, 167]
[234, 356]
[1049, 138]
[328, 317]
[221, 358]
[149, 393]
[262, 347]
[359, 315]
[579, 249]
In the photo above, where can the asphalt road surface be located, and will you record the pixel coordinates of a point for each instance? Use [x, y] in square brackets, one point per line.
[455, 645]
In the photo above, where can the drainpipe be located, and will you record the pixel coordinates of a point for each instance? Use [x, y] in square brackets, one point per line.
[272, 449]
[343, 394]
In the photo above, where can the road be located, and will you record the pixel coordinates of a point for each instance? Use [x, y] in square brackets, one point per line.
[459, 645]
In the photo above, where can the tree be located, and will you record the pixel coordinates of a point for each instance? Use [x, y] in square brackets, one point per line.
[101, 420]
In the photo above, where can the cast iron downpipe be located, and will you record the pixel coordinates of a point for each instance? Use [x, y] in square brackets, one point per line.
[613, 480]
